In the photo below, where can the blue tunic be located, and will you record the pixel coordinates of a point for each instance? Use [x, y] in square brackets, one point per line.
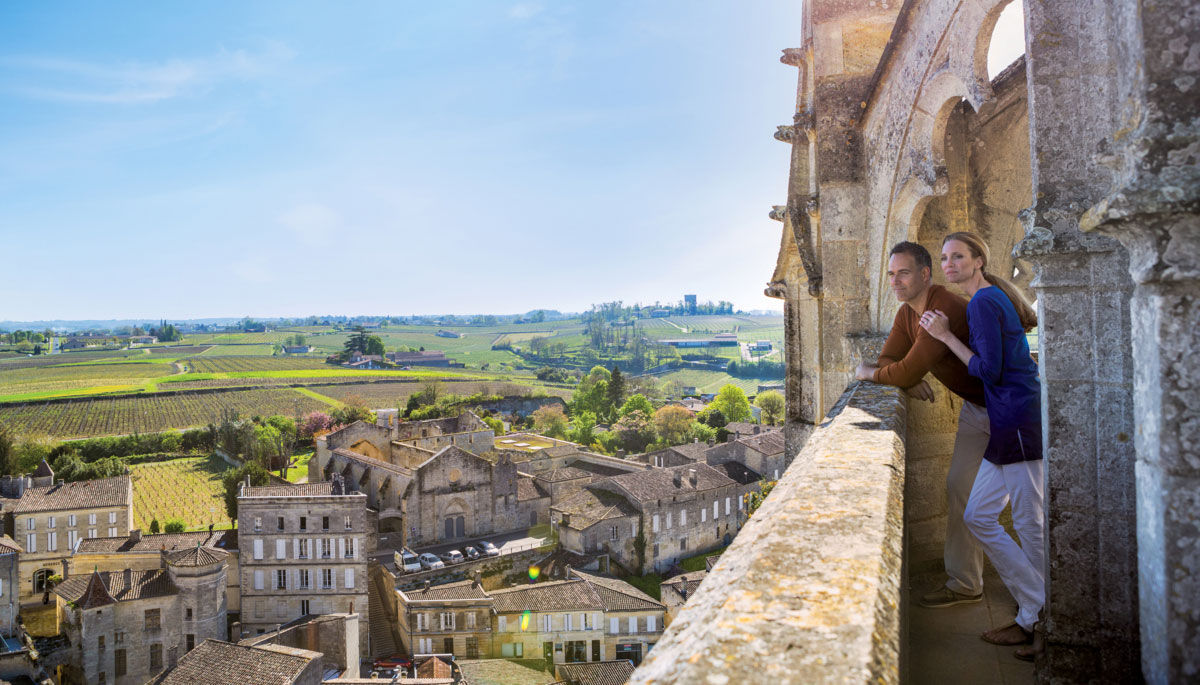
[1009, 375]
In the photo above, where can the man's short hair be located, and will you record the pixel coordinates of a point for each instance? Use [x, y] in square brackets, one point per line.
[919, 254]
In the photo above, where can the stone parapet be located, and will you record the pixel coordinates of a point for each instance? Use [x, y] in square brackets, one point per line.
[810, 589]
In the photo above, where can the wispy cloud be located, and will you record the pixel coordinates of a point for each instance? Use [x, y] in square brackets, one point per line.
[524, 10]
[313, 224]
[72, 81]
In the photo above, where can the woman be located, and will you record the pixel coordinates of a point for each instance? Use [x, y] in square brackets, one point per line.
[998, 318]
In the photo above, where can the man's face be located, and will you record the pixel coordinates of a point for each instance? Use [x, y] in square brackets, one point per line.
[907, 280]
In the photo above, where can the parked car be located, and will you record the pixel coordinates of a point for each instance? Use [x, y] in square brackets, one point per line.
[407, 561]
[488, 548]
[429, 561]
[452, 557]
[472, 553]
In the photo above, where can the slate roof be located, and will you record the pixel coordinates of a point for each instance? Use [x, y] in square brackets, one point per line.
[196, 556]
[84, 494]
[770, 442]
[617, 595]
[565, 473]
[552, 595]
[596, 672]
[121, 586]
[596, 469]
[692, 450]
[8, 545]
[215, 662]
[290, 490]
[464, 589]
[589, 507]
[738, 472]
[148, 543]
[659, 483]
[528, 488]
[583, 591]
[685, 581]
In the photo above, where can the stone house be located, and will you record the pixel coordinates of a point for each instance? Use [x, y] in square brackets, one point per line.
[124, 627]
[585, 618]
[51, 517]
[683, 511]
[303, 549]
[676, 590]
[453, 618]
[10, 563]
[596, 521]
[215, 662]
[761, 452]
[143, 553]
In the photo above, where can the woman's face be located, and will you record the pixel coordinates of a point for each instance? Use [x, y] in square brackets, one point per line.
[957, 262]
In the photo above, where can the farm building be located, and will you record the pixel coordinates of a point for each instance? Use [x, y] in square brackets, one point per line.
[143, 340]
[297, 349]
[425, 358]
[447, 334]
[718, 340]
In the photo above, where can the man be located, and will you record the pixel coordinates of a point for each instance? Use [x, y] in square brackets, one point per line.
[911, 352]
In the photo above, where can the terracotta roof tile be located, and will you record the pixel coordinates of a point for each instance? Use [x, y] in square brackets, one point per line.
[291, 490]
[84, 494]
[465, 589]
[553, 595]
[596, 672]
[214, 662]
[589, 507]
[122, 586]
[8, 545]
[528, 488]
[148, 543]
[617, 595]
[659, 483]
[196, 556]
[95, 594]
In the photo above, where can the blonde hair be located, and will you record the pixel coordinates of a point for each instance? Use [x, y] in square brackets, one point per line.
[979, 249]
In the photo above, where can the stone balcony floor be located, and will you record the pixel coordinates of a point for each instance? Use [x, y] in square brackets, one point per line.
[944, 644]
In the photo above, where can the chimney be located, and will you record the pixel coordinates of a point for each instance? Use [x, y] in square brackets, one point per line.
[757, 428]
[678, 479]
[692, 476]
[64, 573]
[566, 519]
[695, 440]
[620, 454]
[59, 482]
[479, 577]
[427, 584]
[135, 535]
[128, 577]
[567, 572]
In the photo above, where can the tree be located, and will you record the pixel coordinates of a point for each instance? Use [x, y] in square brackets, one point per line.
[7, 453]
[495, 424]
[155, 529]
[314, 424]
[357, 342]
[634, 431]
[174, 526]
[616, 388]
[232, 482]
[732, 402]
[374, 345]
[550, 421]
[354, 408]
[714, 417]
[584, 430]
[674, 424]
[771, 404]
[636, 402]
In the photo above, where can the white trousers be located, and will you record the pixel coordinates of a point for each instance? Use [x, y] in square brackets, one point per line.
[1021, 568]
[962, 555]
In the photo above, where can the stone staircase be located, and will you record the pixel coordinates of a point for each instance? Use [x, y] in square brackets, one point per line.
[383, 642]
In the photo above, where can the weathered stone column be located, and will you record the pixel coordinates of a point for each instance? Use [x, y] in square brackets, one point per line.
[1083, 293]
[1153, 208]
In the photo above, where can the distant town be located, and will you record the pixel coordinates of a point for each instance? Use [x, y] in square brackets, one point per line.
[525, 498]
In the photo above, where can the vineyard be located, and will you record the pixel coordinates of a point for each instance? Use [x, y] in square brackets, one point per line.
[380, 395]
[23, 362]
[188, 489]
[51, 379]
[148, 413]
[208, 364]
[712, 381]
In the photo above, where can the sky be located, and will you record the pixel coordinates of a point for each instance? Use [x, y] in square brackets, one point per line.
[279, 159]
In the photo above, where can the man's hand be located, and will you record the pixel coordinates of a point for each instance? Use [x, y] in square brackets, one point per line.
[865, 372]
[921, 391]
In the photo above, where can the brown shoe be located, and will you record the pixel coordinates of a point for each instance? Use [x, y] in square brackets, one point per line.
[945, 597]
[1008, 636]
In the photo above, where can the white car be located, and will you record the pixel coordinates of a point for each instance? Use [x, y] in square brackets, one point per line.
[453, 557]
[407, 561]
[488, 548]
[429, 561]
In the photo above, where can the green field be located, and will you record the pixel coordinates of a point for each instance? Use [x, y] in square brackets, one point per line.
[63, 380]
[712, 381]
[384, 395]
[188, 489]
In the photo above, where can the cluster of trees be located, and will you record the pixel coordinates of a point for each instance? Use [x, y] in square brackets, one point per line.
[31, 337]
[363, 343]
[166, 332]
[758, 369]
[297, 340]
[605, 415]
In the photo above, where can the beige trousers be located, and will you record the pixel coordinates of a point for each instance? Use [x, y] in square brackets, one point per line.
[963, 554]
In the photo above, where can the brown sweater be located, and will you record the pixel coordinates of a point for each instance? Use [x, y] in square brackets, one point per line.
[911, 352]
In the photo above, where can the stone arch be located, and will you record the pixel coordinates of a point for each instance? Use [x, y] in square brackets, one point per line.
[983, 42]
[455, 519]
[367, 448]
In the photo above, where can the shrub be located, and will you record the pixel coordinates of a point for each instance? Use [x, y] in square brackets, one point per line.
[174, 526]
[154, 527]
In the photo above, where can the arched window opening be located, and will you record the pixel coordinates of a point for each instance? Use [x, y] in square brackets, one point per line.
[1007, 43]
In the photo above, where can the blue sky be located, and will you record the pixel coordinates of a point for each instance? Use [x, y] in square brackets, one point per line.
[280, 159]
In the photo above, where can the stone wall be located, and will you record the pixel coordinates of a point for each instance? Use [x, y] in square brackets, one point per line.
[816, 569]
